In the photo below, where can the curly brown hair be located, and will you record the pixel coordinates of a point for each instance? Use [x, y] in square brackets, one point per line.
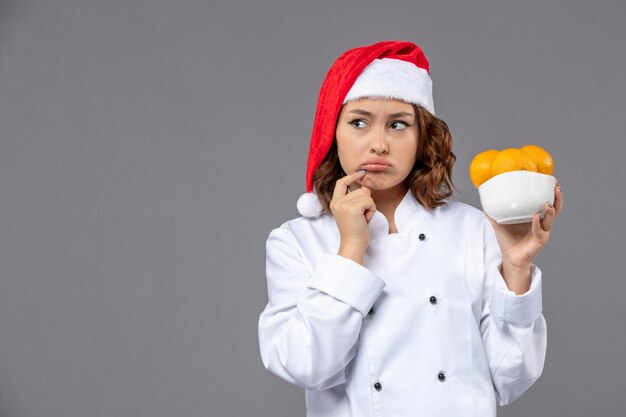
[430, 180]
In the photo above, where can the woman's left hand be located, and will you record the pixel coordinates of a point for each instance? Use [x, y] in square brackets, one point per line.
[521, 243]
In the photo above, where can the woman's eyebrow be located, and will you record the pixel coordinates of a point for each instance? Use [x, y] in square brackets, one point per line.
[366, 113]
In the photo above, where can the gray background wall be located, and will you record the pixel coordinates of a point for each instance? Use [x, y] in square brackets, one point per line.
[147, 148]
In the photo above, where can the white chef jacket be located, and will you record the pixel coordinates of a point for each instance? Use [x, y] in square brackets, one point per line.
[425, 327]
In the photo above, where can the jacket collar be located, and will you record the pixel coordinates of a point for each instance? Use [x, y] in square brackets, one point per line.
[407, 212]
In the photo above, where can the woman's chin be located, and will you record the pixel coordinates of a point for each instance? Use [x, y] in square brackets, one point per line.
[376, 182]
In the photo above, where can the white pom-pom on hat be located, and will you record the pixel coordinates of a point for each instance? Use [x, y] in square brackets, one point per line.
[309, 205]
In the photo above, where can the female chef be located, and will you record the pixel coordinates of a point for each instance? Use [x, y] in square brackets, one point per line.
[386, 297]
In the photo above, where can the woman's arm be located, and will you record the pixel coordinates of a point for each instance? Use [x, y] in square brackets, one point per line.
[309, 328]
[513, 327]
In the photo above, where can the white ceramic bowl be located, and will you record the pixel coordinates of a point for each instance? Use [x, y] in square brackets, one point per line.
[515, 196]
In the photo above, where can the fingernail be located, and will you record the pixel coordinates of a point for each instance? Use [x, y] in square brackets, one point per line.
[550, 205]
[362, 171]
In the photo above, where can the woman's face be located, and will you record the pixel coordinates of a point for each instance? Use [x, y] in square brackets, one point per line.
[382, 129]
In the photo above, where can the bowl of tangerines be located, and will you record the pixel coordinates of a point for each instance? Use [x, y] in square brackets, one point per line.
[514, 183]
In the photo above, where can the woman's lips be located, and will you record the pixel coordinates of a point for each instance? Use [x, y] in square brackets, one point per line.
[375, 167]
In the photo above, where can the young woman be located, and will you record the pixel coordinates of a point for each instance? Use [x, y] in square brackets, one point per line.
[386, 297]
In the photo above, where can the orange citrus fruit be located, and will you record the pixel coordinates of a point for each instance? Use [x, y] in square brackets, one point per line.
[480, 168]
[545, 163]
[512, 159]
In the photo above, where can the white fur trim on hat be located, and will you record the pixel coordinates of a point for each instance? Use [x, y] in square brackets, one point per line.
[309, 205]
[394, 78]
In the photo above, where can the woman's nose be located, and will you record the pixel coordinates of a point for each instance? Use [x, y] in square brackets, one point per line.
[379, 142]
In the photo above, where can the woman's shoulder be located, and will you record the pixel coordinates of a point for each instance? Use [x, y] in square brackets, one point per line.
[454, 207]
[459, 212]
[459, 207]
[311, 237]
[305, 227]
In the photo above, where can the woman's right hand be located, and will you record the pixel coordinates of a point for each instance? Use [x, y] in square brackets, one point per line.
[352, 212]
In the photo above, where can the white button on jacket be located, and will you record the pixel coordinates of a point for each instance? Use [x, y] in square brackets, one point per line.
[445, 336]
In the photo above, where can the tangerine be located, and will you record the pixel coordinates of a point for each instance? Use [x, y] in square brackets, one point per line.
[545, 162]
[512, 159]
[480, 168]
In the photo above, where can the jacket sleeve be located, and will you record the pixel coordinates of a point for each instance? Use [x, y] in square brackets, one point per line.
[512, 326]
[309, 329]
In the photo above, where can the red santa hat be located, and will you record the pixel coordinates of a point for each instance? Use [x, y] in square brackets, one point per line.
[388, 69]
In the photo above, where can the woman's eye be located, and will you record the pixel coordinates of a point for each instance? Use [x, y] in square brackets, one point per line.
[405, 125]
[355, 121]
